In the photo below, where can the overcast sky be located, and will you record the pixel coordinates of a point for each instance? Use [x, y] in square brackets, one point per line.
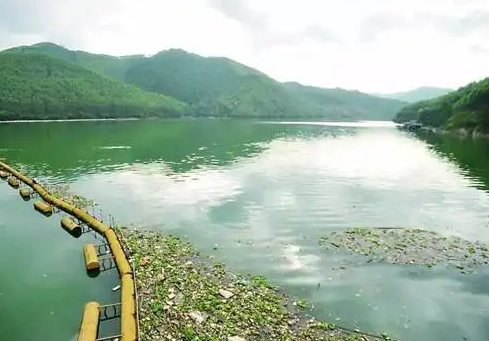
[370, 45]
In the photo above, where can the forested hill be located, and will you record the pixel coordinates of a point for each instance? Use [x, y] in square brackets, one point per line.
[222, 87]
[36, 86]
[467, 107]
[109, 66]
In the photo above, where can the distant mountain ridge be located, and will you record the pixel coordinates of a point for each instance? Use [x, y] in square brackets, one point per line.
[418, 94]
[214, 86]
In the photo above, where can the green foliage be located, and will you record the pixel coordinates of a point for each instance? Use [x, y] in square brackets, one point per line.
[36, 86]
[467, 107]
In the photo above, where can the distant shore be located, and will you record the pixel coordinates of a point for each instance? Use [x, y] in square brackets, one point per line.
[72, 120]
[264, 120]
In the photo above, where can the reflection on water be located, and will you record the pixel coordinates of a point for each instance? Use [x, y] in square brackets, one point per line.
[264, 193]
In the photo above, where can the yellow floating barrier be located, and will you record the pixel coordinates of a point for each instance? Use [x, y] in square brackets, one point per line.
[25, 193]
[128, 309]
[89, 325]
[91, 258]
[121, 261]
[71, 226]
[90, 321]
[14, 182]
[4, 175]
[42, 207]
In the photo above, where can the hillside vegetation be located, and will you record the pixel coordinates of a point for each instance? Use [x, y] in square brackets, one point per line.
[217, 87]
[35, 86]
[467, 107]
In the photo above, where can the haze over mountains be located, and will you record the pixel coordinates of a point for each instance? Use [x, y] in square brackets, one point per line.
[418, 94]
[48, 81]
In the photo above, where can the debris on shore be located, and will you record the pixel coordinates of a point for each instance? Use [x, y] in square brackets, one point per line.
[186, 296]
[409, 246]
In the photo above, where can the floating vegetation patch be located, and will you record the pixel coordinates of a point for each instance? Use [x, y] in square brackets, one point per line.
[185, 296]
[409, 246]
[64, 192]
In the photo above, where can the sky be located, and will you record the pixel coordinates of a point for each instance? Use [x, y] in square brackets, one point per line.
[369, 45]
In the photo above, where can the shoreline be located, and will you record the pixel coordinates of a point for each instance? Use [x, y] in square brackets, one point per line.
[72, 120]
[461, 133]
[261, 119]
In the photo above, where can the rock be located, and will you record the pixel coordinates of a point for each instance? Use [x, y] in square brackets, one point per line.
[197, 316]
[179, 298]
[171, 296]
[236, 338]
[225, 293]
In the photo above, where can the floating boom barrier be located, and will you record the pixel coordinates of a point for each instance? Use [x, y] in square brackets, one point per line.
[93, 311]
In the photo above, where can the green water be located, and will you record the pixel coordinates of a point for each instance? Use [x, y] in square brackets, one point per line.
[263, 192]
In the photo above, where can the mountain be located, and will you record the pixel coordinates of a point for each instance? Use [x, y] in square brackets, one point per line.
[350, 103]
[221, 87]
[109, 66]
[418, 94]
[467, 107]
[37, 86]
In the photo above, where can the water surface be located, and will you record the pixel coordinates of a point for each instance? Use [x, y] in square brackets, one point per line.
[262, 192]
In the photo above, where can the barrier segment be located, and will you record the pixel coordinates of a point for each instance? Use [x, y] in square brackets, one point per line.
[13, 182]
[128, 306]
[90, 321]
[91, 258]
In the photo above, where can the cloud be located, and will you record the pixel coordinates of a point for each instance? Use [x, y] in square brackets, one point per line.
[240, 11]
[476, 21]
[380, 23]
[373, 46]
[454, 25]
[477, 49]
[64, 21]
[259, 25]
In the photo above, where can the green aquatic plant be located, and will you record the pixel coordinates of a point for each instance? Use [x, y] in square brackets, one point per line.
[409, 246]
[64, 192]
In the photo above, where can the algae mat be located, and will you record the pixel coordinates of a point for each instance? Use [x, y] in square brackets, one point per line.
[409, 246]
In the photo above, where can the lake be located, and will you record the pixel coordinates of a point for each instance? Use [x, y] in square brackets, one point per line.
[256, 195]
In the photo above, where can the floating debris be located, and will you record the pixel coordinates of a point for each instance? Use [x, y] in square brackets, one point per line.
[409, 246]
[64, 192]
[183, 298]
